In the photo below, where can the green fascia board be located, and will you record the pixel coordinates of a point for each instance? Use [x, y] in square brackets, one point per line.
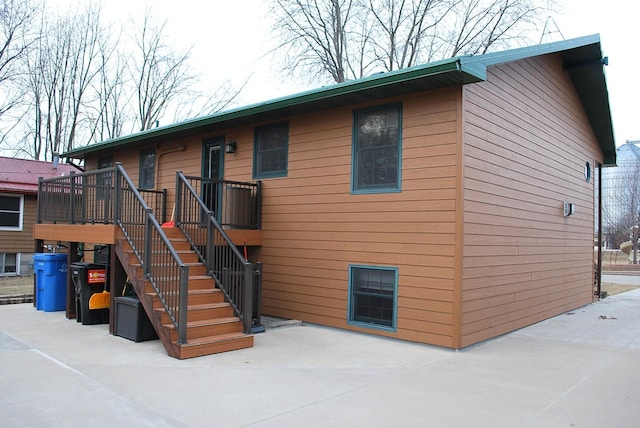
[516, 54]
[451, 66]
[589, 81]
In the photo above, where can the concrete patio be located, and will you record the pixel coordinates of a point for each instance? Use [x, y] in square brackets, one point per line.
[581, 368]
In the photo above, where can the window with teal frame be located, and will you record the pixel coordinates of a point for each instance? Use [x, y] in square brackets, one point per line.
[373, 296]
[147, 168]
[271, 146]
[377, 137]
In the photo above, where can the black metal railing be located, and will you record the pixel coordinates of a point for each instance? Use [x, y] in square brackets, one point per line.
[235, 204]
[88, 197]
[162, 265]
[109, 196]
[232, 272]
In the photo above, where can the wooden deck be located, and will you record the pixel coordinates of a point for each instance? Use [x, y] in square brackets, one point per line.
[106, 234]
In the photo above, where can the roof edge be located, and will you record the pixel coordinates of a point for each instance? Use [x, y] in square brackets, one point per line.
[450, 65]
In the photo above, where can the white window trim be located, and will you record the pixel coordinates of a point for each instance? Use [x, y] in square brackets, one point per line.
[20, 226]
[3, 259]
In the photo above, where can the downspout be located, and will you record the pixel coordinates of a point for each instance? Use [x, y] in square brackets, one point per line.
[598, 277]
[181, 148]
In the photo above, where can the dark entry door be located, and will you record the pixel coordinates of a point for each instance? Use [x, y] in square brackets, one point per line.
[213, 172]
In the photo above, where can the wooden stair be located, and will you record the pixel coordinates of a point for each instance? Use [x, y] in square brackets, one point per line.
[212, 326]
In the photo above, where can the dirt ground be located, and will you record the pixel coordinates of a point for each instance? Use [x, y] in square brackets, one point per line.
[24, 285]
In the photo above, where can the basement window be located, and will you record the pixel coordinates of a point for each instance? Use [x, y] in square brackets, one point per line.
[8, 264]
[373, 296]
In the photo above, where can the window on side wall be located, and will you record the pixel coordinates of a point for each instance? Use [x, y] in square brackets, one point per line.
[11, 211]
[103, 180]
[377, 149]
[271, 146]
[147, 168]
[373, 296]
[9, 263]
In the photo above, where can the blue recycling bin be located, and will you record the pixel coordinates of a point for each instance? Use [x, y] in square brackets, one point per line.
[51, 281]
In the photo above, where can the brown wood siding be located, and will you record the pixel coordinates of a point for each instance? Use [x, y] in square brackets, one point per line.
[314, 228]
[21, 241]
[527, 140]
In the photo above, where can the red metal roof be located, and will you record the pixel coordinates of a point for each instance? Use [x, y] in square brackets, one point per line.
[21, 175]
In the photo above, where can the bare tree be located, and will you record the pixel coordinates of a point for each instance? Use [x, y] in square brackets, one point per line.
[109, 112]
[61, 72]
[16, 40]
[621, 200]
[408, 29]
[314, 35]
[69, 82]
[346, 39]
[481, 25]
[161, 74]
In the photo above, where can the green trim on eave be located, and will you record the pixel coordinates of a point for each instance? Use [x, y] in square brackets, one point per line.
[582, 55]
[451, 65]
[516, 54]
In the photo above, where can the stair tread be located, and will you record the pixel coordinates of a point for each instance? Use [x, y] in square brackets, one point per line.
[209, 305]
[192, 291]
[190, 264]
[217, 332]
[201, 306]
[217, 338]
[211, 321]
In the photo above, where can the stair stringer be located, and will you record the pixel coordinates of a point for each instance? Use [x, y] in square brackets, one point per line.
[197, 346]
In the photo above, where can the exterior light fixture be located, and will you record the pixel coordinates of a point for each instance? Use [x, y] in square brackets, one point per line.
[230, 146]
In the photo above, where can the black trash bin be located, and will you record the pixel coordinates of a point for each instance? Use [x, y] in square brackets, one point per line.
[89, 278]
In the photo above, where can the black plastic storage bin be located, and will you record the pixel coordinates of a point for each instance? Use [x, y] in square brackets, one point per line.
[131, 321]
[89, 278]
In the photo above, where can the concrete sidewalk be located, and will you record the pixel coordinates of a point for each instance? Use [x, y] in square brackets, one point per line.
[578, 369]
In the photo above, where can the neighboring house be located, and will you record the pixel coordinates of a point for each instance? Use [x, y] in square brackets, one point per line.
[425, 204]
[18, 209]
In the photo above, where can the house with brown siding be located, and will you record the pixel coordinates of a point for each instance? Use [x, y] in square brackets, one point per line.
[18, 209]
[446, 203]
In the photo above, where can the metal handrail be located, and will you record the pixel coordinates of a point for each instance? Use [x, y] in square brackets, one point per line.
[162, 265]
[108, 195]
[236, 204]
[234, 275]
[87, 197]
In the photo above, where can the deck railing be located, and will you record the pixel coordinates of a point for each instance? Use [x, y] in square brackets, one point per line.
[109, 196]
[233, 273]
[88, 197]
[235, 204]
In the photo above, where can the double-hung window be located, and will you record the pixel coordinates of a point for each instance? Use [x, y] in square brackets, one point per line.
[11, 210]
[271, 146]
[147, 168]
[103, 180]
[9, 263]
[373, 296]
[377, 149]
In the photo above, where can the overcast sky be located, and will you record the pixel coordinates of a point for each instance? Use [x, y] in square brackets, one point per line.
[231, 40]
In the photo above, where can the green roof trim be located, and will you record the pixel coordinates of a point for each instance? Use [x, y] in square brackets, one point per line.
[588, 80]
